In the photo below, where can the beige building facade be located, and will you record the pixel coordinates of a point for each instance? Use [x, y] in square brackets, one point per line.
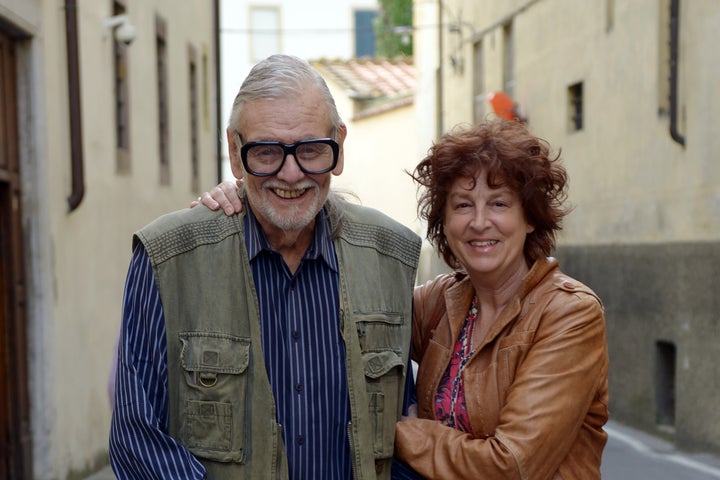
[378, 101]
[628, 90]
[108, 119]
[375, 99]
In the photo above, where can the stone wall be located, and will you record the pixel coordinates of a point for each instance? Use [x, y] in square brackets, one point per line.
[663, 322]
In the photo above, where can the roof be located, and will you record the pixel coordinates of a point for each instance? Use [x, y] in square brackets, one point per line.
[376, 85]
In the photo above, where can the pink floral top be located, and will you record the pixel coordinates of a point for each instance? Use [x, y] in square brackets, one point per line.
[450, 406]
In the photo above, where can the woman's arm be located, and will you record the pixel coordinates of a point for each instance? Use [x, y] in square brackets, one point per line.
[224, 195]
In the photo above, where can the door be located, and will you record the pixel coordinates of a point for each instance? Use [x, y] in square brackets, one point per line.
[15, 448]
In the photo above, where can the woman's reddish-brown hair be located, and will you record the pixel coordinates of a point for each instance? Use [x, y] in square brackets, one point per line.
[513, 158]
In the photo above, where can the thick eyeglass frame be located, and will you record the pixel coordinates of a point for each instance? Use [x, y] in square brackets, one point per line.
[288, 149]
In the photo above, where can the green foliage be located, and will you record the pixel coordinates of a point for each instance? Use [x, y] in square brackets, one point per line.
[394, 13]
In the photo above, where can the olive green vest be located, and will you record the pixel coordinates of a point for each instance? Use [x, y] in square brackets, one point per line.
[221, 405]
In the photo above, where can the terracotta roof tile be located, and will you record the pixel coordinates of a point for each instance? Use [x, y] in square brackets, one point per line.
[377, 85]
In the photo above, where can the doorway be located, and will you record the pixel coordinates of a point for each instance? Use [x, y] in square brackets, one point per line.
[15, 445]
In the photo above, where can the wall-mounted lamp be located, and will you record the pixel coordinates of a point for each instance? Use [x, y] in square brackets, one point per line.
[457, 60]
[123, 30]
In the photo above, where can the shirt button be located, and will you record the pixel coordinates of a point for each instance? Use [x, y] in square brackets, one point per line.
[300, 439]
[298, 387]
[295, 334]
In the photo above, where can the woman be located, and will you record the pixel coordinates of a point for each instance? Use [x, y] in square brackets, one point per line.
[512, 353]
[512, 378]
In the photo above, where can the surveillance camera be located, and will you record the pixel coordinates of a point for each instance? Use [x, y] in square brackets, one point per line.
[125, 33]
[123, 30]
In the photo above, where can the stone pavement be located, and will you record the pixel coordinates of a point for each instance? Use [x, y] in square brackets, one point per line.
[104, 474]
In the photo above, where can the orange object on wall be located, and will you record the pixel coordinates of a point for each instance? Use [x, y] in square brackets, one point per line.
[503, 105]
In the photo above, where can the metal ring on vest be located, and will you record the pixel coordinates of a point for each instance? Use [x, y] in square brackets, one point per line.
[208, 379]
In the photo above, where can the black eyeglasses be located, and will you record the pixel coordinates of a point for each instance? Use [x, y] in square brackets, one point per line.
[314, 156]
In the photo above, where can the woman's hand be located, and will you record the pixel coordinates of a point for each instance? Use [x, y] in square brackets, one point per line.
[224, 195]
[412, 413]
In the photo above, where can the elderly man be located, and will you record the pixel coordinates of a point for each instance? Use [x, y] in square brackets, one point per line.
[273, 343]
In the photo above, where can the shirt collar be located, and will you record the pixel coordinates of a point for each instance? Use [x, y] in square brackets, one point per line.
[320, 247]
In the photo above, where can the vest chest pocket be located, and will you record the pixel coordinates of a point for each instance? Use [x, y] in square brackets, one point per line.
[382, 331]
[212, 399]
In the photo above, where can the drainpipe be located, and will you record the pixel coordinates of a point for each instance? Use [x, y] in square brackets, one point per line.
[674, 35]
[73, 66]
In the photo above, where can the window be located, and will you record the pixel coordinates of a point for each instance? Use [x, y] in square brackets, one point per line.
[122, 114]
[665, 359]
[478, 83]
[194, 147]
[609, 15]
[162, 89]
[575, 107]
[265, 32]
[205, 92]
[365, 33]
[509, 60]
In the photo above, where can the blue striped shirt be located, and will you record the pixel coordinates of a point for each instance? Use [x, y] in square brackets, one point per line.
[303, 352]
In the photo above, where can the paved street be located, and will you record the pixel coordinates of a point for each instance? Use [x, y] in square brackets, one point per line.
[632, 455]
[629, 455]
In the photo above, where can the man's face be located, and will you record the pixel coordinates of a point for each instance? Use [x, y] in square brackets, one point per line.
[290, 199]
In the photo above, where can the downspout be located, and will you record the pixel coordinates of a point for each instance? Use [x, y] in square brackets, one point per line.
[674, 35]
[73, 66]
[218, 94]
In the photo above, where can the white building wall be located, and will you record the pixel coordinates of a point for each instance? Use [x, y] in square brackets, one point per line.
[321, 29]
[425, 49]
[378, 150]
[629, 181]
[76, 261]
[644, 232]
[310, 29]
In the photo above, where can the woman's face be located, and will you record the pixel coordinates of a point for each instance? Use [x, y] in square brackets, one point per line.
[486, 229]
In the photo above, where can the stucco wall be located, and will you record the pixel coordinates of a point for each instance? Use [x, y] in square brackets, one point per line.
[659, 293]
[377, 151]
[644, 231]
[630, 181]
[76, 261]
[311, 29]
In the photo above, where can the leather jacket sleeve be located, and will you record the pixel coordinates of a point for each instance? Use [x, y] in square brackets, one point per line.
[550, 416]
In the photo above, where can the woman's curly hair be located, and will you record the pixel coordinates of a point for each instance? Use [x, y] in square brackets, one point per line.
[512, 157]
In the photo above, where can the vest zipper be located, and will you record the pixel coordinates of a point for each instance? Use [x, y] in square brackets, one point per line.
[352, 452]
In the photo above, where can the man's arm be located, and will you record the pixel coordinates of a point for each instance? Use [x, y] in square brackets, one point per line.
[140, 447]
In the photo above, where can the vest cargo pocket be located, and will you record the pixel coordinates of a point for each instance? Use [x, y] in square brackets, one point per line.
[213, 396]
[384, 380]
[381, 331]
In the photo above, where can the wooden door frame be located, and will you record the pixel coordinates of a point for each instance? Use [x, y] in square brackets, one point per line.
[15, 433]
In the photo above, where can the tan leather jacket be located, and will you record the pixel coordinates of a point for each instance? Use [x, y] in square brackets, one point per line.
[536, 388]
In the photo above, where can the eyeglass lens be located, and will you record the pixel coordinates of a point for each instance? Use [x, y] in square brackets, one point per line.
[312, 156]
